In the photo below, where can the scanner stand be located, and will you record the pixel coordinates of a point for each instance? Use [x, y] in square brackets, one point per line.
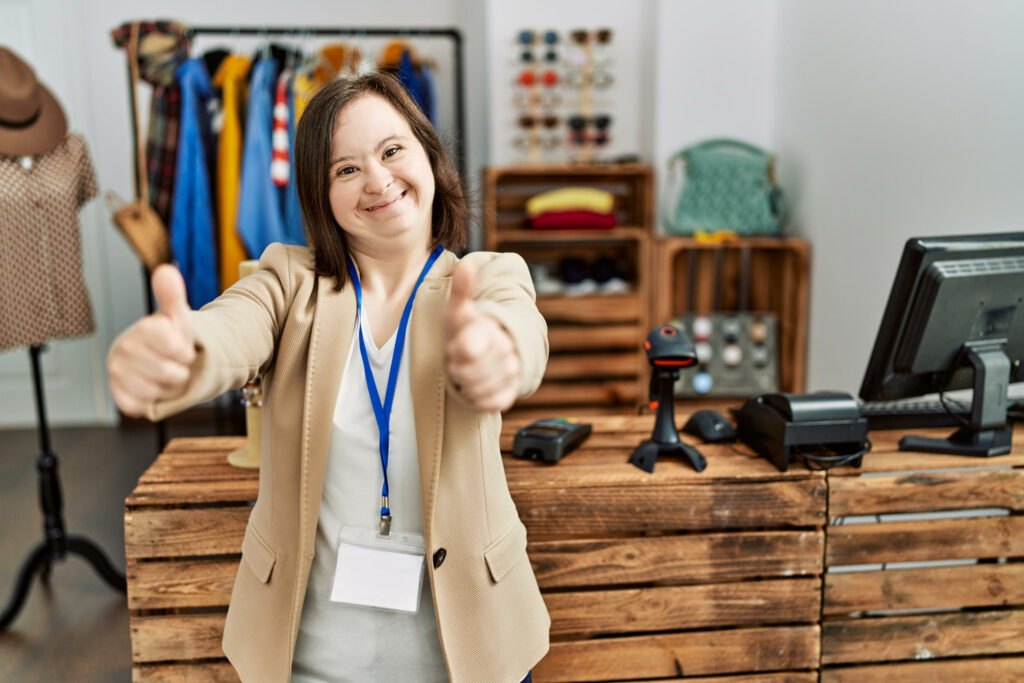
[665, 440]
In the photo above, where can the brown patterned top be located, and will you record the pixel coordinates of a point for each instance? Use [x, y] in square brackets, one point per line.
[42, 292]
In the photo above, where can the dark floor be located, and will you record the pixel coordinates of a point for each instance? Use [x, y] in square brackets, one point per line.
[77, 628]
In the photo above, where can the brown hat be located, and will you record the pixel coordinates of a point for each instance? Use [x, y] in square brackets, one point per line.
[31, 120]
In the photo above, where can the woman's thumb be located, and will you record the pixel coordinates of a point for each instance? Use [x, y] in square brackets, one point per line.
[460, 299]
[171, 299]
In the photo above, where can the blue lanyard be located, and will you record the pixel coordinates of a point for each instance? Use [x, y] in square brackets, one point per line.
[383, 412]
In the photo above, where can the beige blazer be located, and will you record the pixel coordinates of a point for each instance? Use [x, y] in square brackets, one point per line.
[291, 328]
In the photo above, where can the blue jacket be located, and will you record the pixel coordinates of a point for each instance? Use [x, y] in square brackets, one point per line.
[259, 200]
[192, 230]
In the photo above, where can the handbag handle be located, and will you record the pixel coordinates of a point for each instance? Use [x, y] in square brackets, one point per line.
[141, 170]
[726, 143]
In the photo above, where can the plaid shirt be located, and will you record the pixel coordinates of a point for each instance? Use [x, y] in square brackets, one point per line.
[157, 68]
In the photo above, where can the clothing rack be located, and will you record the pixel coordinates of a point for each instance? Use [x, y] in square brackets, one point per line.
[320, 31]
[301, 32]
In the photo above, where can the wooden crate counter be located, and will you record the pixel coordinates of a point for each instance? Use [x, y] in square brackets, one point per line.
[660, 575]
[892, 621]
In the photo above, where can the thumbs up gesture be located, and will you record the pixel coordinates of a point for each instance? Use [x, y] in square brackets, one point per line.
[152, 359]
[480, 357]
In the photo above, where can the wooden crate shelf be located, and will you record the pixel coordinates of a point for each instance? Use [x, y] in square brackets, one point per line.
[596, 360]
[778, 283]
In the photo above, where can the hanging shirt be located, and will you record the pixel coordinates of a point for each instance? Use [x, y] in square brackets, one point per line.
[412, 82]
[430, 92]
[342, 642]
[229, 164]
[42, 291]
[158, 61]
[192, 233]
[259, 207]
[293, 225]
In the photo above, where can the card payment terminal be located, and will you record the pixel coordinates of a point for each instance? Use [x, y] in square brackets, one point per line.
[549, 440]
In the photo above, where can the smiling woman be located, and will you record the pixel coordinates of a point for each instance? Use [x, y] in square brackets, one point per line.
[385, 363]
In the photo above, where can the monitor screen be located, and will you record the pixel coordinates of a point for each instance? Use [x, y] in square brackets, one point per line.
[948, 292]
[955, 319]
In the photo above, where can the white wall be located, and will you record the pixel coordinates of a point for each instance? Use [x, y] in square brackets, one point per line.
[892, 120]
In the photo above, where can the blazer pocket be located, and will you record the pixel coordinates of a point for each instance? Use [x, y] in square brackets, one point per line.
[257, 554]
[505, 552]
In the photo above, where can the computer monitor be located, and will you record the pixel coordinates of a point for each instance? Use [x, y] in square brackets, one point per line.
[955, 320]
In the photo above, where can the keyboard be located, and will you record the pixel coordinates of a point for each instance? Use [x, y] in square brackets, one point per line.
[915, 414]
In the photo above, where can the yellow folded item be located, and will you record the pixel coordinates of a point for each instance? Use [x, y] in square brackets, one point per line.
[569, 198]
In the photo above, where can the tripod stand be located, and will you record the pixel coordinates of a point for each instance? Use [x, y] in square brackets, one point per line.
[56, 543]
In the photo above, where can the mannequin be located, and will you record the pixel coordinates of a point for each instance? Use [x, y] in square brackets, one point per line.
[45, 176]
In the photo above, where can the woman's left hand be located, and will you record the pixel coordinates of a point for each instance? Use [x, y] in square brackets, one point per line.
[480, 357]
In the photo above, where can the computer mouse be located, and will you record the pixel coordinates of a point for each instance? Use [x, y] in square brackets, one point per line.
[710, 427]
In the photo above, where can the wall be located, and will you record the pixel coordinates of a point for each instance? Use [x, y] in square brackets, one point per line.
[892, 120]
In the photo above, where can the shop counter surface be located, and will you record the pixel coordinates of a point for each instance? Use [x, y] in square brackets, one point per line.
[670, 575]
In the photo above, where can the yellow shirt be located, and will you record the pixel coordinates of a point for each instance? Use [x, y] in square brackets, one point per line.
[569, 198]
[229, 78]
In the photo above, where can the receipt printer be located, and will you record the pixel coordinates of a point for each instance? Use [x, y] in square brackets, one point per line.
[783, 426]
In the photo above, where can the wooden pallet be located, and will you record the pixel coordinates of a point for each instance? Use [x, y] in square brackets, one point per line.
[595, 340]
[925, 623]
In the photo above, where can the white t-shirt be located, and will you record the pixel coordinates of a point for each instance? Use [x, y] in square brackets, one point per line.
[340, 642]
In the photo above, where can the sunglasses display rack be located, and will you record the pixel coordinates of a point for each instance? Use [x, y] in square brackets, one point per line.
[561, 95]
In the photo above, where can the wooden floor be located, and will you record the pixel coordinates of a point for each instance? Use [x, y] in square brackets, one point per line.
[77, 628]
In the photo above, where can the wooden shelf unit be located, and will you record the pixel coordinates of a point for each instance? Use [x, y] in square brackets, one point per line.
[779, 283]
[596, 359]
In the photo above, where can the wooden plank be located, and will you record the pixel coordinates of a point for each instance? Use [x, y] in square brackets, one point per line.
[985, 585]
[554, 513]
[587, 467]
[191, 532]
[691, 558]
[948, 670]
[696, 653]
[219, 671]
[673, 608]
[577, 365]
[886, 456]
[931, 636]
[939, 539]
[606, 308]
[923, 491]
[582, 337]
[569, 393]
[177, 638]
[191, 492]
[777, 677]
[204, 443]
[176, 584]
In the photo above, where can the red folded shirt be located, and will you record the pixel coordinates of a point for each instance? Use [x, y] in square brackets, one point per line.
[578, 219]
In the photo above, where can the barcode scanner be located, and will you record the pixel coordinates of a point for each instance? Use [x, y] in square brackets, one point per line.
[669, 350]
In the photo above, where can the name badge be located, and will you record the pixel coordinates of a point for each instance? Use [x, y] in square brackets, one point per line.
[383, 572]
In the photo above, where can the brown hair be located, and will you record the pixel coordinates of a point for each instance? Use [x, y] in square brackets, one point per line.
[312, 170]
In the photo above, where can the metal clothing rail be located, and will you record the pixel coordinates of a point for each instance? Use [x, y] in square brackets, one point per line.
[314, 31]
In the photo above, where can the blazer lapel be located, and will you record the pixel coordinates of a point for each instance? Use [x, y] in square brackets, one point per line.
[333, 326]
[426, 369]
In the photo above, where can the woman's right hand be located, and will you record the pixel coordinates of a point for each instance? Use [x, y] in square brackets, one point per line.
[152, 359]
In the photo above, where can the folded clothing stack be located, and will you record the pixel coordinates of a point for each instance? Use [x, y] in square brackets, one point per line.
[574, 276]
[571, 208]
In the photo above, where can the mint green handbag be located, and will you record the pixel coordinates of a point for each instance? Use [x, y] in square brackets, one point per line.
[729, 185]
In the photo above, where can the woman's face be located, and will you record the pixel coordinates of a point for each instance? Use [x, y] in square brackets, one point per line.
[382, 186]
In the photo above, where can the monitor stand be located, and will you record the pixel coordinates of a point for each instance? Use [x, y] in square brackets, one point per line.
[988, 433]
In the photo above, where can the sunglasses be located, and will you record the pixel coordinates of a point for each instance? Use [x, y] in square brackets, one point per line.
[601, 36]
[545, 141]
[599, 78]
[548, 121]
[578, 122]
[528, 77]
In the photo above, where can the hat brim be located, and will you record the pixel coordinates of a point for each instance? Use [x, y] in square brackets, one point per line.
[42, 135]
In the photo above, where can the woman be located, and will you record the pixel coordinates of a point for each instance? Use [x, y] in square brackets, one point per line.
[379, 199]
